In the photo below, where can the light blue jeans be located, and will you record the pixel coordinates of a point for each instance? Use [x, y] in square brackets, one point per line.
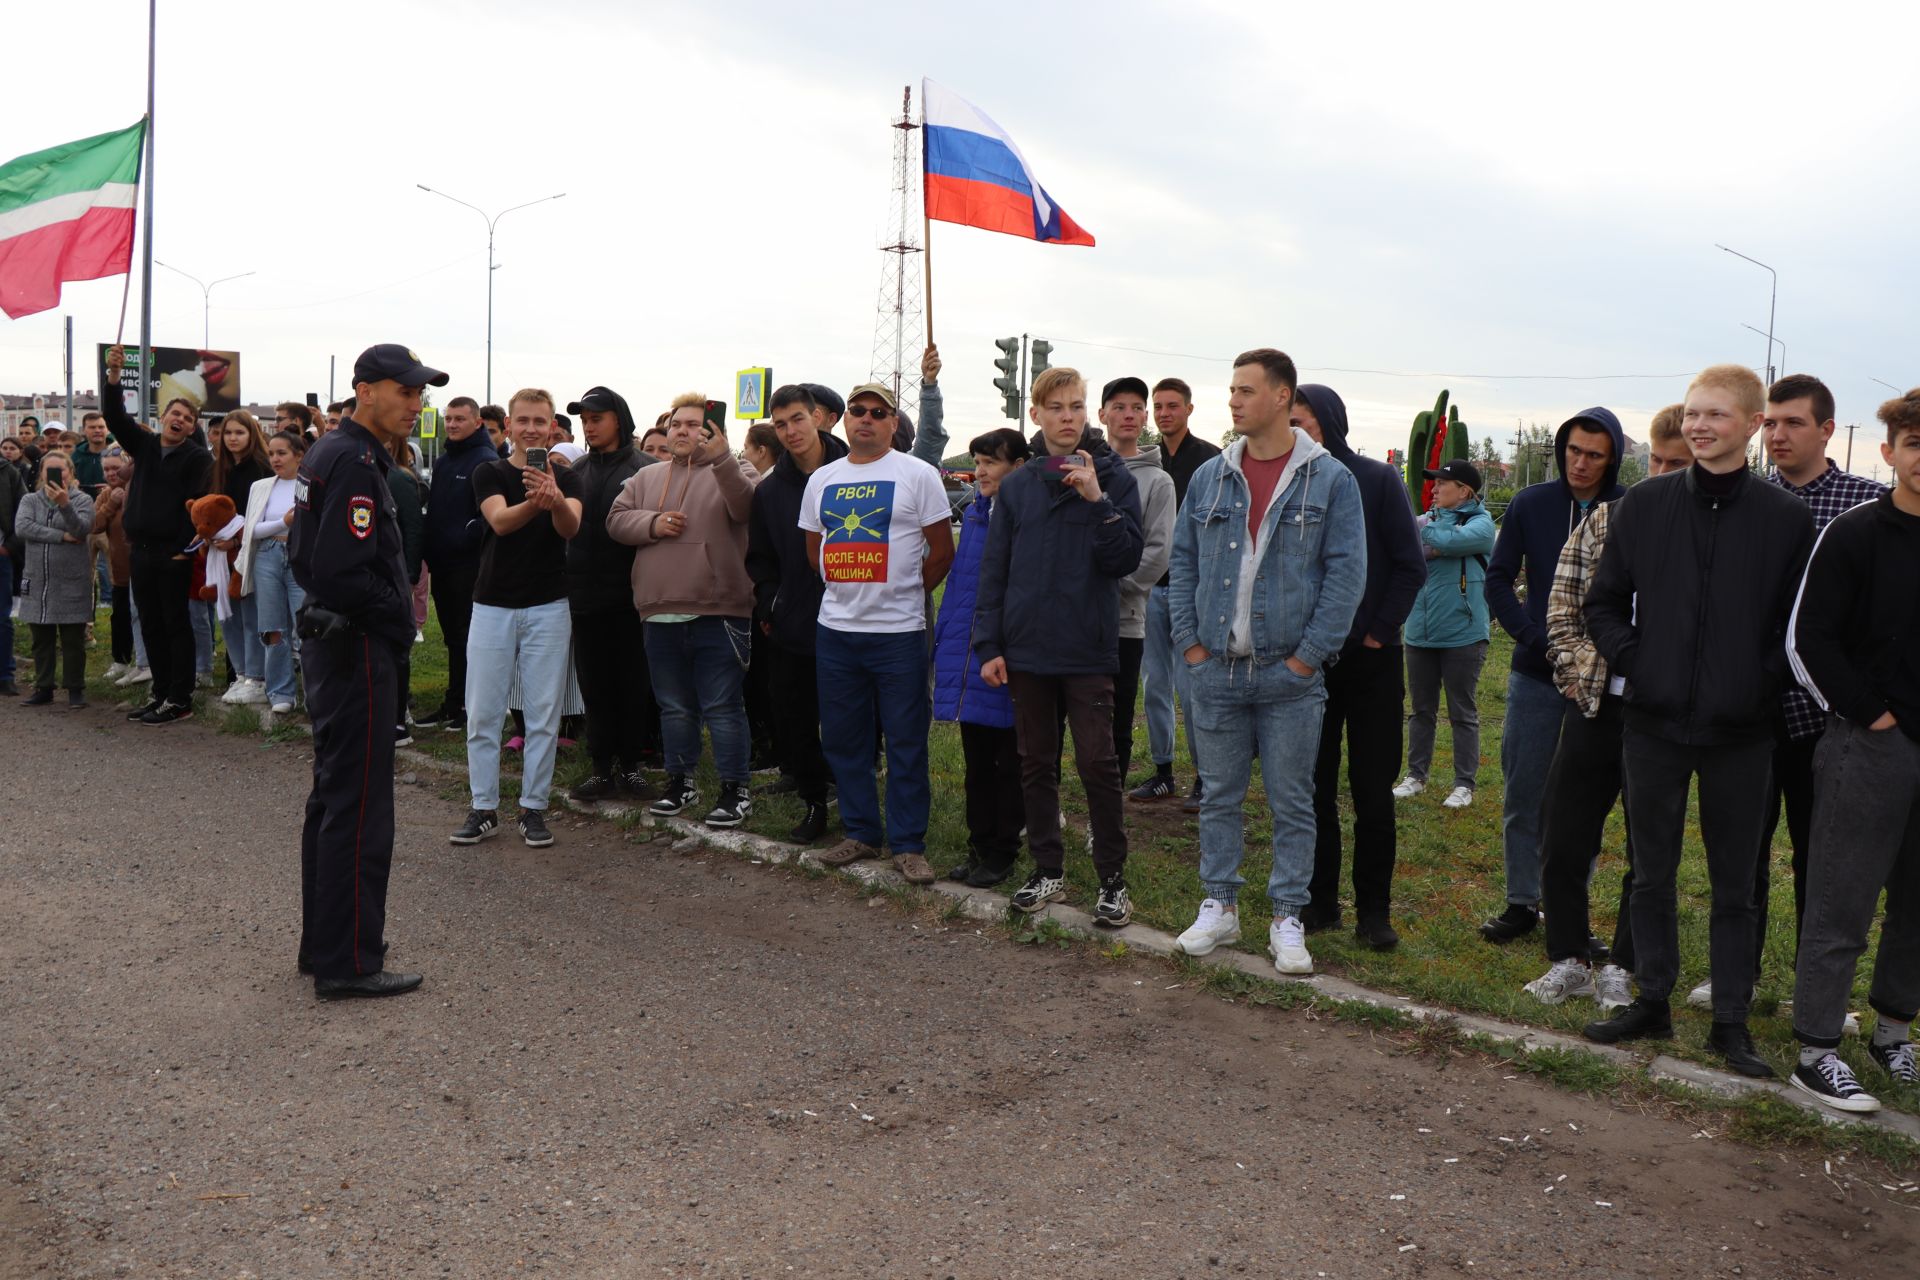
[538, 643]
[1165, 675]
[200, 613]
[1241, 709]
[241, 631]
[1534, 712]
[276, 598]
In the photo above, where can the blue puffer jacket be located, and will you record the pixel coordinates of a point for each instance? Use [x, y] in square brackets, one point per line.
[958, 691]
[1451, 610]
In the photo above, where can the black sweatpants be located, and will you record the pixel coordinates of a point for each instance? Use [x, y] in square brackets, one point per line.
[756, 694]
[796, 706]
[346, 847]
[1126, 697]
[1365, 693]
[1088, 702]
[451, 587]
[123, 624]
[1733, 792]
[160, 587]
[996, 807]
[1583, 783]
[610, 662]
[1793, 790]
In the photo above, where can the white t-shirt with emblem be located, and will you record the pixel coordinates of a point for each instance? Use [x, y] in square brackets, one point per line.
[869, 516]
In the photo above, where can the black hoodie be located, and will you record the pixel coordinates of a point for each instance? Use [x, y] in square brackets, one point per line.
[599, 569]
[1396, 564]
[786, 587]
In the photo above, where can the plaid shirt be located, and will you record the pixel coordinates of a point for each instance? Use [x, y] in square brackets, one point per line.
[1831, 493]
[1578, 669]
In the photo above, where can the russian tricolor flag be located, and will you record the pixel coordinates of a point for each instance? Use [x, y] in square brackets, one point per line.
[976, 176]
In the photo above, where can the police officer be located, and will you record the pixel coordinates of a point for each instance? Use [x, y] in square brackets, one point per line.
[344, 548]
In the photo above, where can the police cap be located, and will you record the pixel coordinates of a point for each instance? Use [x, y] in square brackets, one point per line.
[392, 362]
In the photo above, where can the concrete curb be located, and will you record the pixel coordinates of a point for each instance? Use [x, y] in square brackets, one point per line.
[986, 905]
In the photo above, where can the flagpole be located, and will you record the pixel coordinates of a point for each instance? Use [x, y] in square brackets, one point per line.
[146, 275]
[926, 260]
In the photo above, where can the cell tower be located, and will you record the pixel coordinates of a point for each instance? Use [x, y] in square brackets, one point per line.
[897, 314]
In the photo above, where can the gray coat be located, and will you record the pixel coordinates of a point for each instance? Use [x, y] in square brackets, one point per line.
[59, 573]
[1157, 507]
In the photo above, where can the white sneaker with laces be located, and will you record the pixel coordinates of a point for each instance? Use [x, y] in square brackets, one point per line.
[1612, 987]
[1215, 925]
[1458, 798]
[1701, 997]
[139, 675]
[236, 693]
[1408, 786]
[282, 708]
[1562, 982]
[115, 671]
[1287, 940]
[252, 692]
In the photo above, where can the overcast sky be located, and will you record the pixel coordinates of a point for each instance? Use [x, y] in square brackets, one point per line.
[1412, 189]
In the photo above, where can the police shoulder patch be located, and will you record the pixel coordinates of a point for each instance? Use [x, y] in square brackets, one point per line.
[360, 516]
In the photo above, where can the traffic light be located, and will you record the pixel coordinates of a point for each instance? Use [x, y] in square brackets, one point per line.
[1041, 350]
[1009, 380]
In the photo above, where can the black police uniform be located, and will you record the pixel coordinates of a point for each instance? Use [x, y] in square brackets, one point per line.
[345, 552]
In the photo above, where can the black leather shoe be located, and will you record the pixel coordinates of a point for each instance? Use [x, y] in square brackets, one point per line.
[985, 876]
[145, 709]
[1377, 932]
[812, 826]
[1317, 919]
[1732, 1041]
[304, 965]
[38, 698]
[1644, 1019]
[785, 784]
[367, 986]
[1517, 921]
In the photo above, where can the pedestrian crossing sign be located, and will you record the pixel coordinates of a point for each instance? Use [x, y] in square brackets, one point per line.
[429, 423]
[750, 393]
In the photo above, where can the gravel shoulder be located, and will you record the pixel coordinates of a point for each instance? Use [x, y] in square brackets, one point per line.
[627, 1062]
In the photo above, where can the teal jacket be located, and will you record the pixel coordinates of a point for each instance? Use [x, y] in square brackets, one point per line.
[1451, 610]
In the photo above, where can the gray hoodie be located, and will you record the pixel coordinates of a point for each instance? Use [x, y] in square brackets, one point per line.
[1157, 508]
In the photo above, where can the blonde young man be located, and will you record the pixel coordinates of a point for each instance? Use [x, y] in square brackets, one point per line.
[1690, 606]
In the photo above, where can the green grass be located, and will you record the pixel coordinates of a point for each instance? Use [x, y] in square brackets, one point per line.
[1449, 878]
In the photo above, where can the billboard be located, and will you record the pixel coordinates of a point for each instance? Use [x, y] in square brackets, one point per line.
[210, 379]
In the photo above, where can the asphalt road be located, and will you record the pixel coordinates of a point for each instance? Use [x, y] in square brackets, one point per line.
[629, 1062]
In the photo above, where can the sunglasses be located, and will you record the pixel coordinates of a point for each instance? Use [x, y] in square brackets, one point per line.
[878, 412]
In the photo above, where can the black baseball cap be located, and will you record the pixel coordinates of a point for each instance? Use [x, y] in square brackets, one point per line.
[1459, 470]
[597, 400]
[1120, 386]
[827, 398]
[392, 362]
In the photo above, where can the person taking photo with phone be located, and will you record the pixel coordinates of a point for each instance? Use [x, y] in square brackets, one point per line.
[53, 524]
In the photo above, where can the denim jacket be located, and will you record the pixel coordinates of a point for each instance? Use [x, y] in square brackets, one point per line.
[1309, 572]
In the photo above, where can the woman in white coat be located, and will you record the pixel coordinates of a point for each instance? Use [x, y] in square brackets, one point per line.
[264, 572]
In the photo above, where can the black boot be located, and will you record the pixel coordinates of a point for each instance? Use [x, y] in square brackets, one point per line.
[1644, 1019]
[1517, 921]
[1732, 1041]
[812, 826]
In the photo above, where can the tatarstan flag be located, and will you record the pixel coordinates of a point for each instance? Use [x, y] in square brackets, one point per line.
[66, 213]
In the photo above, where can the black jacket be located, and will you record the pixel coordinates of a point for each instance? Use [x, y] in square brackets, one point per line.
[1855, 636]
[345, 545]
[1182, 465]
[163, 481]
[1048, 599]
[1396, 562]
[405, 487]
[1691, 601]
[786, 586]
[453, 534]
[600, 570]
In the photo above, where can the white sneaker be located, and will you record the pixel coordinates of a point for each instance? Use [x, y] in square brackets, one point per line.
[1409, 786]
[139, 675]
[1287, 940]
[1565, 980]
[255, 691]
[236, 693]
[1458, 798]
[1701, 997]
[115, 671]
[419, 637]
[1612, 988]
[1215, 925]
[282, 708]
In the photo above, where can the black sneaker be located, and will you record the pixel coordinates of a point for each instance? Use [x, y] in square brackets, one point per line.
[145, 709]
[1831, 1081]
[634, 784]
[1377, 932]
[402, 736]
[8, 689]
[785, 784]
[1644, 1019]
[985, 875]
[1157, 786]
[598, 787]
[433, 718]
[533, 828]
[1897, 1060]
[168, 713]
[679, 794]
[455, 722]
[1113, 909]
[1192, 803]
[812, 826]
[1598, 952]
[38, 698]
[481, 824]
[1517, 921]
[1320, 919]
[1041, 888]
[731, 806]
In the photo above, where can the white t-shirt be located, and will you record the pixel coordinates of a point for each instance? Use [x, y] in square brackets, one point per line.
[869, 517]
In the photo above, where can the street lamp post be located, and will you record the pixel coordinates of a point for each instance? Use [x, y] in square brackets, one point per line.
[1771, 340]
[1772, 297]
[206, 298]
[492, 266]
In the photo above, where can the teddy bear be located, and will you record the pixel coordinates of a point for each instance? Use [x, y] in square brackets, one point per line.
[216, 575]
